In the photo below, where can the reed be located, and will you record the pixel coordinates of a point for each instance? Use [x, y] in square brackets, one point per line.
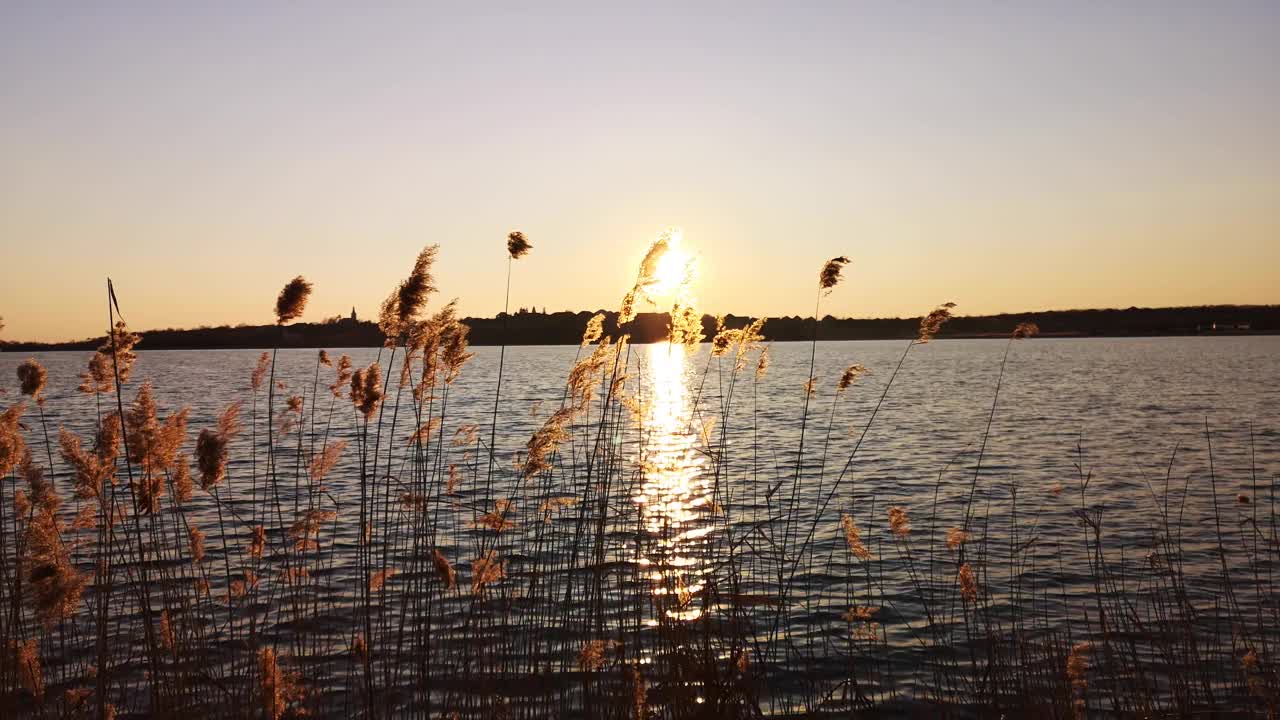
[628, 547]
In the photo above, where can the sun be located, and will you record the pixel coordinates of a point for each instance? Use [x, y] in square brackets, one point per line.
[674, 270]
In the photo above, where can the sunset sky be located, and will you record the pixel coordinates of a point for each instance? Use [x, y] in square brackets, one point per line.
[1011, 156]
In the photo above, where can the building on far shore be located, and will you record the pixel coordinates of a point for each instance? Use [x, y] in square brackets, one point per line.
[1224, 327]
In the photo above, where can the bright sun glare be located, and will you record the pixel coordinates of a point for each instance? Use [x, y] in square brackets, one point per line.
[673, 268]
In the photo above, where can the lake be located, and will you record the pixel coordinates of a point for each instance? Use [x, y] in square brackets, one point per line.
[1124, 489]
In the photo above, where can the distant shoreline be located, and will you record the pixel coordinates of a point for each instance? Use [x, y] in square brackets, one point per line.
[565, 328]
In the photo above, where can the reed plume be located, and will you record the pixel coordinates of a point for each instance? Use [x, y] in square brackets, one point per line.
[446, 572]
[850, 376]
[153, 445]
[181, 481]
[956, 538]
[278, 689]
[899, 522]
[853, 538]
[196, 543]
[98, 378]
[12, 446]
[305, 531]
[260, 371]
[968, 582]
[1078, 675]
[933, 322]
[114, 357]
[1026, 330]
[686, 325]
[408, 299]
[32, 377]
[95, 468]
[627, 311]
[56, 585]
[453, 350]
[649, 265]
[258, 541]
[325, 460]
[595, 328]
[380, 578]
[167, 639]
[545, 441]
[486, 570]
[292, 300]
[30, 671]
[212, 447]
[591, 656]
[517, 245]
[829, 276]
[366, 390]
[342, 375]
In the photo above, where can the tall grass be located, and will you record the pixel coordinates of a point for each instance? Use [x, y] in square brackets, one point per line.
[364, 548]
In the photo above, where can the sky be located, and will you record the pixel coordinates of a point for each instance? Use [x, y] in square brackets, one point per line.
[1004, 156]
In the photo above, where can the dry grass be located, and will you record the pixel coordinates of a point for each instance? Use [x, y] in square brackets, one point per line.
[421, 565]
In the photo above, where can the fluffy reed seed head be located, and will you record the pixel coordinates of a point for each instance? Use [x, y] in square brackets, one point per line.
[446, 572]
[829, 276]
[850, 376]
[968, 583]
[378, 580]
[258, 542]
[591, 655]
[649, 265]
[55, 585]
[196, 536]
[853, 538]
[1026, 330]
[859, 613]
[595, 328]
[342, 375]
[486, 570]
[899, 522]
[325, 460]
[278, 689]
[627, 311]
[1078, 666]
[107, 361]
[956, 538]
[30, 673]
[292, 300]
[453, 350]
[366, 390]
[167, 639]
[181, 480]
[305, 530]
[32, 377]
[639, 693]
[212, 447]
[413, 292]
[1250, 660]
[12, 446]
[686, 325]
[93, 469]
[545, 442]
[260, 371]
[517, 245]
[930, 324]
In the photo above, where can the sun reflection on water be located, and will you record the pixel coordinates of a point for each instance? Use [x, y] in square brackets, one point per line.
[676, 492]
